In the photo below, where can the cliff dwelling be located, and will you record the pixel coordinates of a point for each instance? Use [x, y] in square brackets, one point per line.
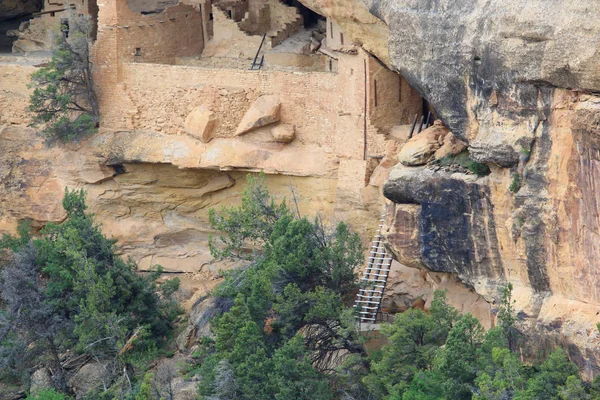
[465, 158]
[233, 86]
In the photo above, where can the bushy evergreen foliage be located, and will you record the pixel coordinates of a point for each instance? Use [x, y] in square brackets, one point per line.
[64, 100]
[289, 320]
[67, 290]
[283, 329]
[444, 355]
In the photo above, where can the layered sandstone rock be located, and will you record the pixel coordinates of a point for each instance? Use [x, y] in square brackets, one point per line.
[543, 238]
[483, 60]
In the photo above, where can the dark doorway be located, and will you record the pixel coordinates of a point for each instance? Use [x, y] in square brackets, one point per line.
[6, 26]
[311, 18]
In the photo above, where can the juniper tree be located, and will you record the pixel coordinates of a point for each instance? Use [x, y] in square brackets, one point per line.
[289, 323]
[67, 289]
[64, 101]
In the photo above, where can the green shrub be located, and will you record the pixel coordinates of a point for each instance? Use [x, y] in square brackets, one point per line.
[465, 161]
[478, 169]
[515, 185]
[47, 395]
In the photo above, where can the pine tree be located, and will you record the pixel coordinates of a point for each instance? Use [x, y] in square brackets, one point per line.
[64, 101]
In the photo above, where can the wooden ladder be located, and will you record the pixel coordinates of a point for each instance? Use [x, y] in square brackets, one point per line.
[257, 63]
[374, 279]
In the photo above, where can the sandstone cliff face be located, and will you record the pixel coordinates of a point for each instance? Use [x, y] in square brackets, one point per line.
[508, 78]
[511, 79]
[543, 238]
[458, 53]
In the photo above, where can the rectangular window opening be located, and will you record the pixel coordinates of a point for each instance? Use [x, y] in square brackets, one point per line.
[331, 29]
[342, 38]
[138, 51]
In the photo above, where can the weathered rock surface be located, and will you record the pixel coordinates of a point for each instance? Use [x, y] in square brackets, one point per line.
[474, 60]
[419, 149]
[152, 193]
[264, 111]
[361, 26]
[450, 147]
[543, 238]
[89, 377]
[406, 286]
[201, 123]
[284, 133]
[40, 380]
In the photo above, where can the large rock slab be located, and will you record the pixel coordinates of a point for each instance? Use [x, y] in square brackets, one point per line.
[201, 123]
[419, 149]
[264, 111]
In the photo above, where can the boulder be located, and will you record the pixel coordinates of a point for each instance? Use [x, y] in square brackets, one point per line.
[284, 133]
[184, 389]
[41, 380]
[27, 45]
[201, 123]
[264, 111]
[450, 147]
[419, 149]
[87, 378]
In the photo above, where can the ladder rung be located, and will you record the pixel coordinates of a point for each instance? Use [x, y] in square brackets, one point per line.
[367, 301]
[371, 291]
[370, 270]
[374, 280]
[369, 273]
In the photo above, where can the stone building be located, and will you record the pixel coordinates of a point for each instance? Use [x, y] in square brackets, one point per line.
[178, 91]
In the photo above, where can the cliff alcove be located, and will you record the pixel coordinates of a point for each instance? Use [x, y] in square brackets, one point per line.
[321, 96]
